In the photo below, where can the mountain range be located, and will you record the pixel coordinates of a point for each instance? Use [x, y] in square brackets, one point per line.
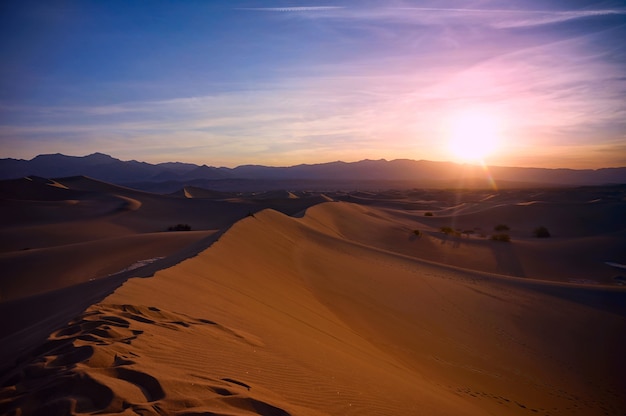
[405, 173]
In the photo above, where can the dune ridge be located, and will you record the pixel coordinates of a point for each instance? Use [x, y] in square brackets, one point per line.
[330, 313]
[55, 233]
[66, 243]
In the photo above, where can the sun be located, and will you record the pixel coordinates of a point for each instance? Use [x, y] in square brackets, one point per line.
[472, 136]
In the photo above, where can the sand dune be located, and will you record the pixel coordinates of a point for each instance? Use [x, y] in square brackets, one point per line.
[27, 272]
[344, 310]
[39, 228]
[563, 219]
[557, 258]
[195, 192]
[57, 236]
[35, 188]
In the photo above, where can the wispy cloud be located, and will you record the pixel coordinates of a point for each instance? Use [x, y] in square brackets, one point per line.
[292, 9]
[542, 18]
[499, 18]
[494, 17]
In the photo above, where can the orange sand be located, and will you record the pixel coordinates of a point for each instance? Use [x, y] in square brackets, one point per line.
[343, 310]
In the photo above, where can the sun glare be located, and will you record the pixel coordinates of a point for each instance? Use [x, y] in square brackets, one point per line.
[472, 136]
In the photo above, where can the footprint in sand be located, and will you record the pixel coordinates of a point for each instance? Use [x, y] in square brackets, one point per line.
[149, 386]
[85, 368]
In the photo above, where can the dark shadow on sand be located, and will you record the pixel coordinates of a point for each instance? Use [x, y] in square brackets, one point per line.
[507, 262]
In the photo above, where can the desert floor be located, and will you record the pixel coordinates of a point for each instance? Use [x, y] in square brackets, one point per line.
[309, 303]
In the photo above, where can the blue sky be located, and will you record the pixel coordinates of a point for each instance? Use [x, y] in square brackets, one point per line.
[287, 82]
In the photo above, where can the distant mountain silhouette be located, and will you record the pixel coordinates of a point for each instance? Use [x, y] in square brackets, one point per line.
[337, 175]
[97, 165]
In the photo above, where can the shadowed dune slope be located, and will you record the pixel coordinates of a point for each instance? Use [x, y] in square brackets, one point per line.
[559, 258]
[563, 219]
[37, 189]
[307, 316]
[195, 192]
[27, 273]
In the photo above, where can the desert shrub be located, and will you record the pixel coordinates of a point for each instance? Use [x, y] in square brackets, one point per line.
[417, 233]
[428, 214]
[180, 227]
[450, 231]
[541, 232]
[501, 237]
[501, 227]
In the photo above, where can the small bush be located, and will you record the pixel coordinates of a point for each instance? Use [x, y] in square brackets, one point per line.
[428, 214]
[541, 232]
[447, 230]
[501, 237]
[180, 227]
[450, 231]
[417, 233]
[501, 227]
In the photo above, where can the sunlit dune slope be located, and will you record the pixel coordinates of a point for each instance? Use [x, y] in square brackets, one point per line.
[308, 316]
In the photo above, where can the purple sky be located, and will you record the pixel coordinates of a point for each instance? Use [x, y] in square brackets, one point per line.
[229, 82]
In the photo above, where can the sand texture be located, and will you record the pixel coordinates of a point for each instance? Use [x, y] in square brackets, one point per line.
[358, 306]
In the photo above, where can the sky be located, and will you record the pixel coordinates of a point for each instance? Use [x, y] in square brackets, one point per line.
[279, 83]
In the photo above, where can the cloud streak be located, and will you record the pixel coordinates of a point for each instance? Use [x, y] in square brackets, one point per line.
[542, 18]
[495, 17]
[498, 18]
[292, 9]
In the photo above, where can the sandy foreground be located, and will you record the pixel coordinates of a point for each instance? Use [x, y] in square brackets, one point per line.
[286, 304]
